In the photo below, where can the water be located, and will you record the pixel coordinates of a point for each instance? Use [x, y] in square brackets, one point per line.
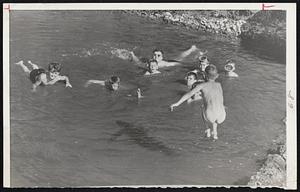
[91, 137]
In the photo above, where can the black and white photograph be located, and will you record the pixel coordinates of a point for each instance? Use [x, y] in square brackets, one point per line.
[149, 95]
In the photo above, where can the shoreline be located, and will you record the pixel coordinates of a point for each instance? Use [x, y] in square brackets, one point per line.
[257, 30]
[273, 170]
[263, 28]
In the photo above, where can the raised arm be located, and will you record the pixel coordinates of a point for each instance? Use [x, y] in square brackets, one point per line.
[187, 96]
[95, 82]
[186, 53]
[135, 59]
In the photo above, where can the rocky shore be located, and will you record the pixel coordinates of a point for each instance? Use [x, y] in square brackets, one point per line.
[226, 23]
[258, 30]
[273, 171]
[263, 31]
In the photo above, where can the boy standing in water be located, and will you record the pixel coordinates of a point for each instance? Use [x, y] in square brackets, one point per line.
[39, 76]
[214, 111]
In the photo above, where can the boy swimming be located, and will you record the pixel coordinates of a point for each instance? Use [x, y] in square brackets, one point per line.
[229, 69]
[112, 84]
[39, 76]
[158, 55]
[214, 110]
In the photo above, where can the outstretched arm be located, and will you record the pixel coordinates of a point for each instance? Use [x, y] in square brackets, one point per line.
[187, 96]
[186, 53]
[65, 78]
[135, 58]
[137, 61]
[44, 80]
[95, 82]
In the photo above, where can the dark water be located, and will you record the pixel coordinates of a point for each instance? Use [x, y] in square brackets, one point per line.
[89, 136]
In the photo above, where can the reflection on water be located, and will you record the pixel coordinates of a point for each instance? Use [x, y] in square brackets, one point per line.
[90, 136]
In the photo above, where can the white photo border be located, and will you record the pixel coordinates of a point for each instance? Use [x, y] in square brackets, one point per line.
[291, 102]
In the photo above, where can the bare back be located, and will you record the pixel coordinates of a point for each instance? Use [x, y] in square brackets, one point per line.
[213, 102]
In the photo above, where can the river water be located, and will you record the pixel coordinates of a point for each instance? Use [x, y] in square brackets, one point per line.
[92, 137]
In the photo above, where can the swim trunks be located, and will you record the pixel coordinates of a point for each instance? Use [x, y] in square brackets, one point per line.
[34, 74]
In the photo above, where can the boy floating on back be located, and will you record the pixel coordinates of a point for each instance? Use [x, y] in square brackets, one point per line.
[214, 111]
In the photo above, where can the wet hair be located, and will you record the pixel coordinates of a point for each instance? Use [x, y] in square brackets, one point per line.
[114, 79]
[229, 61]
[203, 58]
[211, 72]
[54, 67]
[152, 61]
[158, 50]
[190, 73]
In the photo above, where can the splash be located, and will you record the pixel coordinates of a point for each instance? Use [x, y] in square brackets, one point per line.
[109, 49]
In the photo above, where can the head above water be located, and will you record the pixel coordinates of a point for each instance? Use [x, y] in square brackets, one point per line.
[211, 72]
[158, 55]
[54, 70]
[152, 66]
[204, 62]
[230, 66]
[191, 77]
[114, 83]
[54, 67]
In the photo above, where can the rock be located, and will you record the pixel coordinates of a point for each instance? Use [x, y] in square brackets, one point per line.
[265, 30]
[273, 173]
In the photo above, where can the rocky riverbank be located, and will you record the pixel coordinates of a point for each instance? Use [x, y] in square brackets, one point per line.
[273, 171]
[263, 31]
[227, 23]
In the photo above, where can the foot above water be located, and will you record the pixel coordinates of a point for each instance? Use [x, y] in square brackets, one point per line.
[19, 63]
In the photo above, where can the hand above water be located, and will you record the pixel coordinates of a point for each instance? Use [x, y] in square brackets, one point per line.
[173, 106]
[68, 85]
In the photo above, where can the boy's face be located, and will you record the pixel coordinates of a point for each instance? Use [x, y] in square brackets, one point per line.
[115, 86]
[190, 80]
[203, 65]
[158, 56]
[229, 67]
[53, 75]
[153, 67]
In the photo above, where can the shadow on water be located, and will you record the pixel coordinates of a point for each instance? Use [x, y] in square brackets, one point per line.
[139, 135]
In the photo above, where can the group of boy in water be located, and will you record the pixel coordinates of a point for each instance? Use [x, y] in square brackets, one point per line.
[200, 81]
